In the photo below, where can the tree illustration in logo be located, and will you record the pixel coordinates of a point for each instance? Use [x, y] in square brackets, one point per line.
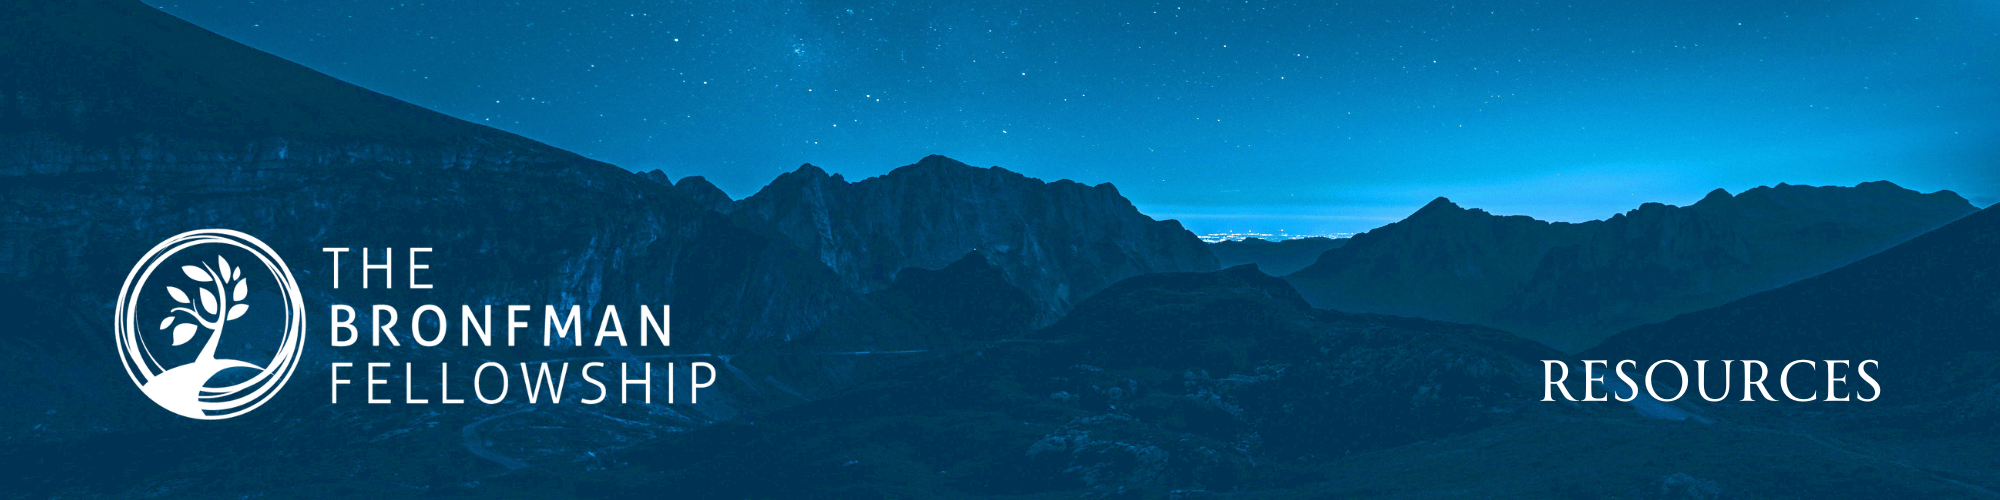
[211, 301]
[221, 288]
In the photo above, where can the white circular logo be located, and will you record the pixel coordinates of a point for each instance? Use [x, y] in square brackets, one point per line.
[212, 285]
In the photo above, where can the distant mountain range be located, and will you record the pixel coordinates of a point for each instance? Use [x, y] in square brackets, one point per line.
[941, 330]
[121, 126]
[1059, 241]
[1227, 385]
[1571, 285]
[1277, 258]
[1928, 310]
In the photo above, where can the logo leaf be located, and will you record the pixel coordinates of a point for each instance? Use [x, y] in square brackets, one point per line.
[236, 311]
[238, 275]
[166, 322]
[224, 266]
[241, 291]
[179, 296]
[183, 333]
[207, 301]
[197, 274]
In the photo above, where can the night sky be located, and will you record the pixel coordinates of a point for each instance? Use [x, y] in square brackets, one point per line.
[1311, 117]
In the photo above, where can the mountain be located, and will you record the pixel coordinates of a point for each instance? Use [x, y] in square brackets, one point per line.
[706, 194]
[1928, 310]
[1571, 285]
[180, 89]
[111, 145]
[1172, 382]
[695, 187]
[967, 301]
[1276, 257]
[121, 126]
[1227, 385]
[1059, 241]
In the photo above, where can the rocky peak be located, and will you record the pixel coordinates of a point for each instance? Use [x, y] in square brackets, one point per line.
[1438, 206]
[813, 174]
[657, 176]
[937, 161]
[1059, 241]
[704, 193]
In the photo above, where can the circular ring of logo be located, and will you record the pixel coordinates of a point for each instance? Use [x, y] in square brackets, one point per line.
[183, 389]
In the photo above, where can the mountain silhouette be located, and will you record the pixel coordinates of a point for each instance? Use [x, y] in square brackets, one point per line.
[1059, 241]
[706, 194]
[938, 331]
[1226, 384]
[1278, 258]
[1570, 285]
[1928, 310]
[121, 126]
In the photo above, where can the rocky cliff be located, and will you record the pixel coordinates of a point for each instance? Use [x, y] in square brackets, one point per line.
[706, 194]
[1059, 241]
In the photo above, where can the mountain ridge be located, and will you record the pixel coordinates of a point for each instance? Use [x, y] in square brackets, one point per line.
[122, 126]
[1058, 240]
[119, 127]
[1864, 310]
[1276, 258]
[1572, 284]
[187, 90]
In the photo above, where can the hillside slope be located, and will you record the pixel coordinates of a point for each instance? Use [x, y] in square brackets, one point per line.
[1571, 285]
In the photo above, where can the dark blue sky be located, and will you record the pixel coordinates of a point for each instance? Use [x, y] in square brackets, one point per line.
[1228, 115]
